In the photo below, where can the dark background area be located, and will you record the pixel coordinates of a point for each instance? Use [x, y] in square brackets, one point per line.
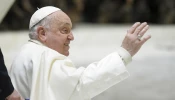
[94, 11]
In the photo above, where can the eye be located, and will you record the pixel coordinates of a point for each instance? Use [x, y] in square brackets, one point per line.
[65, 31]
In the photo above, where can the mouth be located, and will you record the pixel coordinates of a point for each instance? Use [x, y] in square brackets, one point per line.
[66, 44]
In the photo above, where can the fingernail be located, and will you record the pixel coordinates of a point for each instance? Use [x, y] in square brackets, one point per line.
[137, 22]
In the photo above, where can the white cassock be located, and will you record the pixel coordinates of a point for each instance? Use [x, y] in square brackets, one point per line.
[40, 73]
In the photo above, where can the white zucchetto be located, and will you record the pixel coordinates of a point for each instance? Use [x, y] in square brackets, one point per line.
[41, 13]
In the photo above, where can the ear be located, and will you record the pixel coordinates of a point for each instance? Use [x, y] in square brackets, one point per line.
[41, 34]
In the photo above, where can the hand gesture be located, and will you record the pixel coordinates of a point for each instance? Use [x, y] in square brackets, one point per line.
[133, 41]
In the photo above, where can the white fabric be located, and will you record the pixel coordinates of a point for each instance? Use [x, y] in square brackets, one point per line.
[125, 55]
[40, 73]
[41, 13]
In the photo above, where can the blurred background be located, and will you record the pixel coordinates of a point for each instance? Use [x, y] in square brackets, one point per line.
[95, 11]
[99, 27]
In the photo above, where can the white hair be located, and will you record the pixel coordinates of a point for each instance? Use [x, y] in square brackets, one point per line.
[33, 30]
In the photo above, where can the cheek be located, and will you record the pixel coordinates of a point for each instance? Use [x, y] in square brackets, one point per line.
[58, 43]
[52, 41]
[53, 38]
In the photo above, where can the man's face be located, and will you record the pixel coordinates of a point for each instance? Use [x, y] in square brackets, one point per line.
[59, 35]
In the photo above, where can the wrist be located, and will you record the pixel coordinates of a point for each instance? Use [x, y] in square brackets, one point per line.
[125, 55]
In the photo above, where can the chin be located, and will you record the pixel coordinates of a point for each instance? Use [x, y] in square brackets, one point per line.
[66, 54]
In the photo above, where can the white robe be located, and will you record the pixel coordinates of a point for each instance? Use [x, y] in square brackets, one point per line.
[40, 73]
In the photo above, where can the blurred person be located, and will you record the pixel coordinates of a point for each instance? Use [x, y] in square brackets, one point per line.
[43, 71]
[7, 91]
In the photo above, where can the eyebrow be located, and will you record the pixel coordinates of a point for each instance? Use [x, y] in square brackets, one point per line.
[66, 24]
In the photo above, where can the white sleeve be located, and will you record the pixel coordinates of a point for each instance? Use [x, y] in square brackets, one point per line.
[68, 83]
[125, 55]
[98, 77]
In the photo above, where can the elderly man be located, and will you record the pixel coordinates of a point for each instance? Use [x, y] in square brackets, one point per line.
[42, 70]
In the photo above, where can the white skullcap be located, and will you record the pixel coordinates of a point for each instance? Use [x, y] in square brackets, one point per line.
[41, 13]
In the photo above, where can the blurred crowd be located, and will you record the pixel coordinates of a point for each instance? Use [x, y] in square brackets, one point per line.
[94, 11]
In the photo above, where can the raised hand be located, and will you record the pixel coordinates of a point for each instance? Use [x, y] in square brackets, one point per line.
[133, 39]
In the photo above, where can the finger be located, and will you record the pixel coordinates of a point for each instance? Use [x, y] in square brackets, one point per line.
[132, 29]
[145, 39]
[138, 29]
[143, 31]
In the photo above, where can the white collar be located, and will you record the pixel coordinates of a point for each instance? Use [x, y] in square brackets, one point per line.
[36, 42]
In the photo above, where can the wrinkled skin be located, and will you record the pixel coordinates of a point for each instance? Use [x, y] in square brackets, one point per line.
[131, 42]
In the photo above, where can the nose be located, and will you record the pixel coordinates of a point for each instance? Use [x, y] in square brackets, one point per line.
[71, 36]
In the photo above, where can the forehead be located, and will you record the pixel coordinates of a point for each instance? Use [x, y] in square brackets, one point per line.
[62, 19]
